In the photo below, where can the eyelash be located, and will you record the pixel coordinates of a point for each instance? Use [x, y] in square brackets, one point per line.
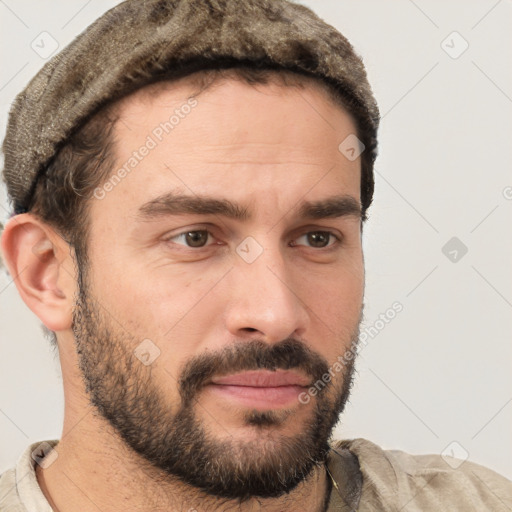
[324, 231]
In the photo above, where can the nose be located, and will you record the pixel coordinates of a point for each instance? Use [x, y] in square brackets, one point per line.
[265, 300]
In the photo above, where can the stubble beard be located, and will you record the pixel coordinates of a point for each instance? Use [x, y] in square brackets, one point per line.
[171, 438]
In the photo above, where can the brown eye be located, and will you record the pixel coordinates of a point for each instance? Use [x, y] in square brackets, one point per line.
[193, 239]
[196, 238]
[320, 239]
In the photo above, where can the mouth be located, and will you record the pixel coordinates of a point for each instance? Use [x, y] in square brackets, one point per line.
[261, 389]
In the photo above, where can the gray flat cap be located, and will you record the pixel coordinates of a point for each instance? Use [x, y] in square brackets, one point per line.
[137, 41]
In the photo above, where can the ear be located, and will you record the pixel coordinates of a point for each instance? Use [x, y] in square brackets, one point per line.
[42, 267]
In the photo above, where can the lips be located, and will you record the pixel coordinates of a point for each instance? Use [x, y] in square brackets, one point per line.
[263, 379]
[260, 389]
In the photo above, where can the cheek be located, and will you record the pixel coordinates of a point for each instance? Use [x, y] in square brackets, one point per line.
[335, 293]
[178, 312]
[335, 311]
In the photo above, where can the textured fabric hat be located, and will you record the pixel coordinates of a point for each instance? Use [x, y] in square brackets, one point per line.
[138, 41]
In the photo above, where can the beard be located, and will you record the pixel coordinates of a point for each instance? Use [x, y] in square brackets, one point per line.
[171, 438]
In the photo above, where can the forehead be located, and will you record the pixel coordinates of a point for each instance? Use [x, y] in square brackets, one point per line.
[231, 139]
[284, 90]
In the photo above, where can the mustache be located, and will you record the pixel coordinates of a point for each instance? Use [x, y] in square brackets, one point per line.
[249, 355]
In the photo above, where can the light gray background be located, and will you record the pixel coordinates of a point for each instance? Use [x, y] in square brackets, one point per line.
[440, 371]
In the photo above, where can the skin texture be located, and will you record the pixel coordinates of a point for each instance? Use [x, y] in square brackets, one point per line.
[298, 305]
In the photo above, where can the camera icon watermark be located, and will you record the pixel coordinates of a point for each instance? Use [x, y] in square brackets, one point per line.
[351, 147]
[45, 45]
[44, 455]
[454, 45]
[146, 352]
[454, 249]
[455, 455]
[249, 249]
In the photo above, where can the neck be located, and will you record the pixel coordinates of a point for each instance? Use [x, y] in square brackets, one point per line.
[104, 472]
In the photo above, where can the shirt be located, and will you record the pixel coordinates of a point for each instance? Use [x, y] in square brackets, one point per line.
[365, 478]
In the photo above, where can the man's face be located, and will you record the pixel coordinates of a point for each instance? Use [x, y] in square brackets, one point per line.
[174, 301]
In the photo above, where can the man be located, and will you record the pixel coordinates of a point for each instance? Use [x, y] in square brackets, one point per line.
[189, 203]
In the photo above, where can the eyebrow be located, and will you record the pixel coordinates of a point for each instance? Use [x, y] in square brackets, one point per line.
[179, 204]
